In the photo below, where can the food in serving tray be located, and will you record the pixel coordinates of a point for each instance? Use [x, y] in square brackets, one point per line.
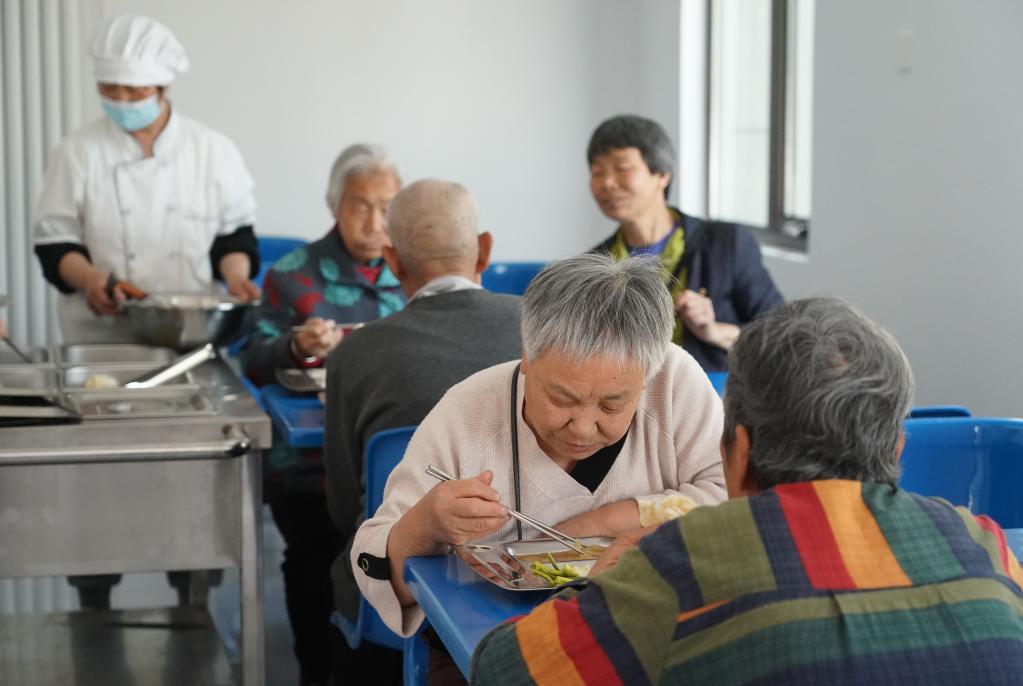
[100, 381]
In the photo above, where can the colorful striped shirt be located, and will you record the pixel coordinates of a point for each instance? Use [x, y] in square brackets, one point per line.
[825, 582]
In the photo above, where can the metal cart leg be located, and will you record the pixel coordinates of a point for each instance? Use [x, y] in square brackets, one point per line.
[252, 571]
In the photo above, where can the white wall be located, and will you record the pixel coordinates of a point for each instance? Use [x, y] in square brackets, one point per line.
[918, 176]
[918, 144]
[501, 96]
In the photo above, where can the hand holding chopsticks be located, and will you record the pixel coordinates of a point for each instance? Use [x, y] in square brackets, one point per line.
[551, 532]
[316, 337]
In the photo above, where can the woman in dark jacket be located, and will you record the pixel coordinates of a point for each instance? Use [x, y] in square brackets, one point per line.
[713, 269]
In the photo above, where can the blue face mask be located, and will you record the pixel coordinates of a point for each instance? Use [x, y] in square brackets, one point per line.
[134, 115]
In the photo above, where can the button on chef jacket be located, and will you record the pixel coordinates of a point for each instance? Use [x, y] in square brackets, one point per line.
[151, 220]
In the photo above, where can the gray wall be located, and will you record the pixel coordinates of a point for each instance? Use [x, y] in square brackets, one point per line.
[918, 176]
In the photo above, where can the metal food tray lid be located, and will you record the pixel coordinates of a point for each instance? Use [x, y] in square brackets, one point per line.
[303, 380]
[508, 564]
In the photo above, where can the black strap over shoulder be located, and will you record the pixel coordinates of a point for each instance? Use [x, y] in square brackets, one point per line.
[515, 443]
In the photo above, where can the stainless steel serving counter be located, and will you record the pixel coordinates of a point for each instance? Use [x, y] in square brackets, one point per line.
[178, 492]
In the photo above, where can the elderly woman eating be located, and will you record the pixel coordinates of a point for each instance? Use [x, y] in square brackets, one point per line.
[600, 424]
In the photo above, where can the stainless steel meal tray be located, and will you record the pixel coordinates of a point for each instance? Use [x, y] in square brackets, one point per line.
[113, 353]
[303, 380]
[28, 380]
[37, 355]
[180, 401]
[507, 564]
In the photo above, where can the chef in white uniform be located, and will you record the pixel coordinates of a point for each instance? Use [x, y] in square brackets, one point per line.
[144, 195]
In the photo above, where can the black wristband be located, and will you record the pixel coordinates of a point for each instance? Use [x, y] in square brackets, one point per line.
[374, 567]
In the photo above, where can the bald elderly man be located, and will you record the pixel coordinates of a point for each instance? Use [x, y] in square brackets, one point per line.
[393, 371]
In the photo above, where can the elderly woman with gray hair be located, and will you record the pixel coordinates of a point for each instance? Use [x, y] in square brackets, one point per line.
[340, 278]
[307, 294]
[600, 424]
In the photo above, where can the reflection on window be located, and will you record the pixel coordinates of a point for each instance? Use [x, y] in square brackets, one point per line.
[740, 114]
[760, 55]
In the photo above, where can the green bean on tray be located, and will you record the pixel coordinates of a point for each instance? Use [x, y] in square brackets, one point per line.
[555, 574]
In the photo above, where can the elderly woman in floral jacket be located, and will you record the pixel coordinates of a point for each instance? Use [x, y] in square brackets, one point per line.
[338, 279]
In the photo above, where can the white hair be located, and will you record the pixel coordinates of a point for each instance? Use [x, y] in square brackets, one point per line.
[361, 158]
[591, 305]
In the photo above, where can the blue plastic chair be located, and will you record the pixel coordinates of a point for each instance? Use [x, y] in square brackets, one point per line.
[510, 277]
[273, 248]
[718, 380]
[936, 411]
[970, 461]
[383, 453]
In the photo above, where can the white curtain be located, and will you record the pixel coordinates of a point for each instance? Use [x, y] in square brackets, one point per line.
[42, 65]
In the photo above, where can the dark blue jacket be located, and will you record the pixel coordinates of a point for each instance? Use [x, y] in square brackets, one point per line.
[728, 264]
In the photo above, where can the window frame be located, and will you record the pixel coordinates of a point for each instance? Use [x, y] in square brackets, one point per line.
[784, 229]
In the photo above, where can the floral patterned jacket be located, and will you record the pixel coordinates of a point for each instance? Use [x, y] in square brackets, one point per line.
[318, 280]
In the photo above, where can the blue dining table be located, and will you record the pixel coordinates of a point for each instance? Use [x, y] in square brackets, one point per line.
[1014, 537]
[297, 417]
[462, 607]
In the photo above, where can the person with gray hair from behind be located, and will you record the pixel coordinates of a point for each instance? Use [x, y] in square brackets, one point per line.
[392, 372]
[819, 569]
[310, 297]
[601, 428]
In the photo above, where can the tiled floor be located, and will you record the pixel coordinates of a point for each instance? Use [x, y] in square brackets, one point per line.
[41, 596]
[151, 590]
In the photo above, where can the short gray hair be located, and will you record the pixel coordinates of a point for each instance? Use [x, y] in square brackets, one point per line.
[361, 158]
[591, 305]
[823, 391]
[434, 221]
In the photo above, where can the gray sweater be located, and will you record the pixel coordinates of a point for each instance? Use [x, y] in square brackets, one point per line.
[391, 373]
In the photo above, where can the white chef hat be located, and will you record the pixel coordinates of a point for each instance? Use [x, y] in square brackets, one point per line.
[137, 51]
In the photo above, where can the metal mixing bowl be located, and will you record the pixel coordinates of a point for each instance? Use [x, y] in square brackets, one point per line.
[186, 320]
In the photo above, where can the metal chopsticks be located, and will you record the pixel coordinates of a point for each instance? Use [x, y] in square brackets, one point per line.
[560, 537]
[298, 328]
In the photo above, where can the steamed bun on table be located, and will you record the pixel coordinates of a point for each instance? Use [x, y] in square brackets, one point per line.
[665, 509]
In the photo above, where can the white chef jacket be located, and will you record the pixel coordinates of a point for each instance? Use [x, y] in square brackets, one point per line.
[151, 220]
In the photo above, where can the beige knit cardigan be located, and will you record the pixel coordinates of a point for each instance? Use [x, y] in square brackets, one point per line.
[672, 447]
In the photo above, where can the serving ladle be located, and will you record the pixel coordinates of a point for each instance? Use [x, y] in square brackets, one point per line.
[18, 351]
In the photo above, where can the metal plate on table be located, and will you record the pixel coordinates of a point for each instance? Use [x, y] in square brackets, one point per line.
[101, 376]
[303, 380]
[507, 564]
[113, 353]
[28, 380]
[181, 401]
